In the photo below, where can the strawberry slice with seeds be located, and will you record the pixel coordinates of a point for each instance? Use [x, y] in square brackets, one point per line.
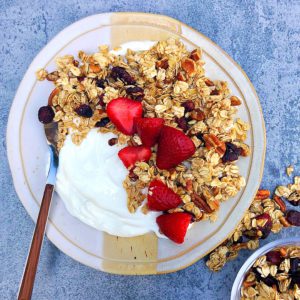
[161, 198]
[122, 111]
[132, 154]
[173, 148]
[148, 129]
[174, 225]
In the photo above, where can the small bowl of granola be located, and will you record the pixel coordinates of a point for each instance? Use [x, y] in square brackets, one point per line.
[272, 272]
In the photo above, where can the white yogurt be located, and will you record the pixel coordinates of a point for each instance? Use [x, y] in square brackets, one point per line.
[89, 181]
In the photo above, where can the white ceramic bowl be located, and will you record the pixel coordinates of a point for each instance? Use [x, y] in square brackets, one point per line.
[237, 285]
[28, 155]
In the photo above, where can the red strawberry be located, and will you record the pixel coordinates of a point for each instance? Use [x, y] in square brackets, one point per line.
[149, 129]
[173, 148]
[122, 111]
[174, 225]
[160, 197]
[131, 154]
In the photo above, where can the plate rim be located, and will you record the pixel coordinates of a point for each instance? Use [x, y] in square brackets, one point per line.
[9, 138]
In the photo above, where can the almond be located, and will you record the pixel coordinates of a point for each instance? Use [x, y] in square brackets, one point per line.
[235, 101]
[189, 66]
[196, 54]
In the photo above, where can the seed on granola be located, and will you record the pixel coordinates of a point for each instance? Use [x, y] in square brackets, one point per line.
[112, 141]
[103, 122]
[188, 105]
[101, 83]
[293, 217]
[182, 123]
[198, 115]
[84, 110]
[46, 114]
[232, 153]
[274, 257]
[122, 74]
[136, 92]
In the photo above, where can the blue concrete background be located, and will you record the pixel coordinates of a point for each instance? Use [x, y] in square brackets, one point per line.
[262, 36]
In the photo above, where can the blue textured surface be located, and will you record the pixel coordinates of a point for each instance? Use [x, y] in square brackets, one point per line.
[262, 36]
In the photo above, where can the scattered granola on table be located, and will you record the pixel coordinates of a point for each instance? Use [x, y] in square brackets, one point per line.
[275, 275]
[264, 216]
[289, 170]
[169, 97]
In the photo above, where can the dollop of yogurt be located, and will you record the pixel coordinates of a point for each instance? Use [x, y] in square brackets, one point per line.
[90, 183]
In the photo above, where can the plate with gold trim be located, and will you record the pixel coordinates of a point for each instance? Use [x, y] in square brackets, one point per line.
[28, 153]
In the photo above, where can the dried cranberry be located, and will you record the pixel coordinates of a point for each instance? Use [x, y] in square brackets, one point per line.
[84, 110]
[269, 281]
[274, 257]
[232, 152]
[122, 74]
[80, 78]
[182, 123]
[266, 228]
[293, 217]
[103, 122]
[101, 83]
[214, 92]
[112, 141]
[46, 114]
[188, 105]
[136, 92]
[295, 265]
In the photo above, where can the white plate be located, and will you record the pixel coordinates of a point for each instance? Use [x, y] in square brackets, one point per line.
[28, 155]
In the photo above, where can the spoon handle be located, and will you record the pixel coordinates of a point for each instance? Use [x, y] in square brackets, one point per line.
[36, 244]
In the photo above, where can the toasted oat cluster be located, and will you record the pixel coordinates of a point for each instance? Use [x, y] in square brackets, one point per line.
[264, 216]
[275, 275]
[170, 83]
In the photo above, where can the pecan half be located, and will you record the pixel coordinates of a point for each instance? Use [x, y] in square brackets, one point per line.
[200, 203]
[284, 222]
[280, 203]
[262, 194]
[196, 55]
[94, 68]
[53, 76]
[235, 101]
[208, 82]
[163, 64]
[211, 141]
[180, 76]
[189, 66]
[198, 115]
[52, 95]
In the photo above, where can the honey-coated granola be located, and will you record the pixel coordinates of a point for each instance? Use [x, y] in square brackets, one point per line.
[170, 82]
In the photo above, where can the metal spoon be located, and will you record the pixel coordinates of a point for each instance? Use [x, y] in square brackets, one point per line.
[26, 287]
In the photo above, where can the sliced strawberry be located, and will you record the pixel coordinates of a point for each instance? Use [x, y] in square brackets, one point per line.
[174, 225]
[122, 111]
[131, 154]
[173, 148]
[149, 129]
[160, 197]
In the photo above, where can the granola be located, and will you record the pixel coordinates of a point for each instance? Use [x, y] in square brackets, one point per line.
[170, 83]
[275, 275]
[264, 216]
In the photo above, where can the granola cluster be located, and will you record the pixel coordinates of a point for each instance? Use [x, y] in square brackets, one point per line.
[264, 216]
[275, 275]
[170, 82]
